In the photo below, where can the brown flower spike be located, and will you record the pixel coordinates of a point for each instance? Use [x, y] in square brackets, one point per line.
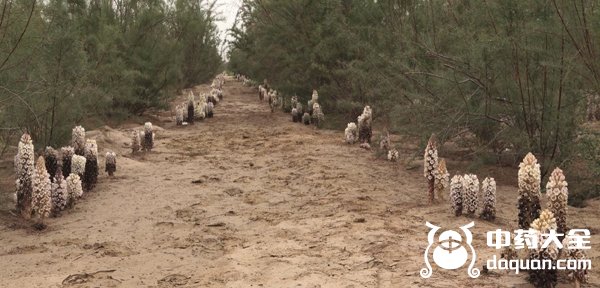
[430, 163]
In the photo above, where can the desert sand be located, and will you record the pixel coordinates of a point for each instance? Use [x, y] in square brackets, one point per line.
[250, 199]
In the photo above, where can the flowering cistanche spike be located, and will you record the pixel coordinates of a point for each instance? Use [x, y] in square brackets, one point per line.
[51, 158]
[300, 109]
[489, 199]
[41, 197]
[351, 133]
[60, 195]
[364, 125]
[315, 96]
[190, 109]
[471, 192]
[529, 191]
[456, 194]
[393, 155]
[110, 163]
[385, 144]
[558, 196]
[78, 165]
[24, 164]
[78, 140]
[90, 175]
[442, 179]
[74, 188]
[66, 154]
[306, 118]
[178, 115]
[544, 277]
[209, 109]
[318, 116]
[430, 163]
[136, 142]
[295, 115]
[148, 141]
[294, 102]
[578, 275]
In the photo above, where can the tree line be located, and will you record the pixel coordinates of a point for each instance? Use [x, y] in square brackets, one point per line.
[70, 62]
[507, 77]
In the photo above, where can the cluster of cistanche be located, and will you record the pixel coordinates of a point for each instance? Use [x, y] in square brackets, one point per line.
[42, 189]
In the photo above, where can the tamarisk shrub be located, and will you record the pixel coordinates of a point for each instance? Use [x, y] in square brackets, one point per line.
[471, 191]
[351, 133]
[90, 175]
[442, 179]
[66, 154]
[41, 200]
[110, 163]
[488, 186]
[558, 195]
[148, 141]
[364, 125]
[78, 140]
[60, 195]
[456, 194]
[136, 144]
[529, 191]
[24, 165]
[543, 277]
[430, 163]
[51, 159]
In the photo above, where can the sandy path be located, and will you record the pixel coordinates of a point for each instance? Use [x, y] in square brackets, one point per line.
[278, 204]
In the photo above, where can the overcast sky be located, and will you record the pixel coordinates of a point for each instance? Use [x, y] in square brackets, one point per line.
[227, 10]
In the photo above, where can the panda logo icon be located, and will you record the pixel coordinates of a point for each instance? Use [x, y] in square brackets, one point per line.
[450, 250]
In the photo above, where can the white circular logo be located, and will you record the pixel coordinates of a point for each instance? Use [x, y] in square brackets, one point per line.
[450, 254]
[451, 250]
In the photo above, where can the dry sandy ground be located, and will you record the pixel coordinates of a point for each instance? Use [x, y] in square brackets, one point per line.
[274, 204]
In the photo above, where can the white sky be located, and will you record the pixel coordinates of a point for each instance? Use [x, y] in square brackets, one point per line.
[227, 10]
